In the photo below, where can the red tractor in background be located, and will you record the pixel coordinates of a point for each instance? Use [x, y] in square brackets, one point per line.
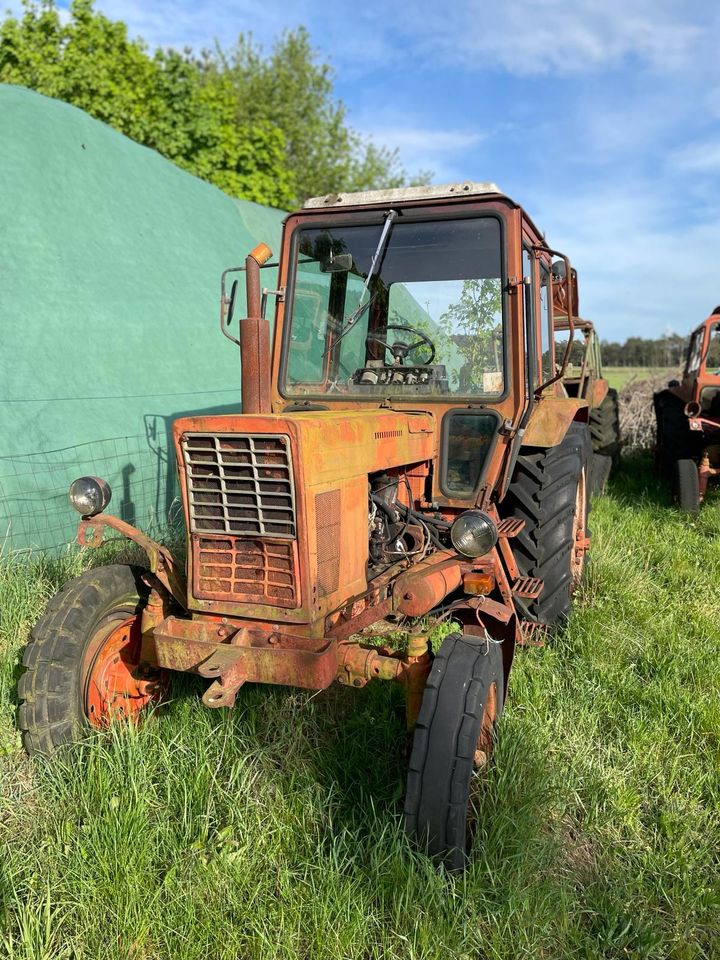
[688, 419]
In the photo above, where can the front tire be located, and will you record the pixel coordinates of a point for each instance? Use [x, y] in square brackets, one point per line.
[452, 743]
[82, 664]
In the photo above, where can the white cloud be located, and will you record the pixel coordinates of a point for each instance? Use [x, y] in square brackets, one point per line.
[640, 272]
[522, 36]
[703, 157]
[539, 36]
[426, 148]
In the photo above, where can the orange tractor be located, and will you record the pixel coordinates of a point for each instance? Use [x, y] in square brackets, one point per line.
[405, 452]
[688, 419]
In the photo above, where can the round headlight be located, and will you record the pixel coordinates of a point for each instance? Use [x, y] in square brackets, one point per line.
[473, 533]
[89, 495]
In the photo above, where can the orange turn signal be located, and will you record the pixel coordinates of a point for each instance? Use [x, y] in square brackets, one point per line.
[261, 254]
[478, 584]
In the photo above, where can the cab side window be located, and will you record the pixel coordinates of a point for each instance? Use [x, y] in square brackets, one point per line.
[546, 343]
[712, 361]
[694, 354]
[530, 288]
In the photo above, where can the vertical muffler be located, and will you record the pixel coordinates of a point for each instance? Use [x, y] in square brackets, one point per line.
[255, 338]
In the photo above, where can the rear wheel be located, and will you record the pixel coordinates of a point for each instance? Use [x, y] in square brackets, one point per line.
[549, 491]
[600, 470]
[605, 425]
[452, 744]
[674, 438]
[687, 486]
[82, 664]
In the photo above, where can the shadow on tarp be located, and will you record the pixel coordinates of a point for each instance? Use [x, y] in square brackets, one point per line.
[35, 516]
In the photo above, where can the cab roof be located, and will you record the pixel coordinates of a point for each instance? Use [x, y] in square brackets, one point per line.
[400, 194]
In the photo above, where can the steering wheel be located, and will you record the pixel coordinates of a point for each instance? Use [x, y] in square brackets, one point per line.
[400, 350]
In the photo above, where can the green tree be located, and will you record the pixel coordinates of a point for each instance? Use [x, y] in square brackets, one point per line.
[293, 90]
[473, 324]
[161, 101]
[263, 128]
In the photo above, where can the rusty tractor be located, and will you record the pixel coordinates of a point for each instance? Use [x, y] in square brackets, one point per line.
[584, 378]
[687, 413]
[405, 450]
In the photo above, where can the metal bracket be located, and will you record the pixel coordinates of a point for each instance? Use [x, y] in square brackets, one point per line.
[279, 295]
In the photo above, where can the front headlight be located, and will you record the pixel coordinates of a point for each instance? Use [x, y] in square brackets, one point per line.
[89, 495]
[473, 534]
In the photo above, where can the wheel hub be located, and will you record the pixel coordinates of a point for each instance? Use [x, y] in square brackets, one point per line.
[116, 683]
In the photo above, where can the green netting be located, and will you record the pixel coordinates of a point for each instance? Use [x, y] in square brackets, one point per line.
[111, 259]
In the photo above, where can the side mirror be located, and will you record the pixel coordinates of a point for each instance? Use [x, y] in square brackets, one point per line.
[559, 271]
[231, 303]
[337, 263]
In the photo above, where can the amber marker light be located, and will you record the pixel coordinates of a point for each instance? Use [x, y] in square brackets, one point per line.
[478, 584]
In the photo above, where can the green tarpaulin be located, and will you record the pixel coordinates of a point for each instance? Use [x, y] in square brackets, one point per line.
[111, 258]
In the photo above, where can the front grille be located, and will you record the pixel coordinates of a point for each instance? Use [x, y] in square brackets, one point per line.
[240, 484]
[246, 571]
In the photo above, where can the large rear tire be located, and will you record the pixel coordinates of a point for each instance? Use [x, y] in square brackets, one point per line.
[600, 470]
[605, 425]
[452, 743]
[674, 438]
[549, 491]
[82, 664]
[605, 436]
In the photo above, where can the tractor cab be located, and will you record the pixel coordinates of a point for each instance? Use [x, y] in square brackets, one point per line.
[700, 385]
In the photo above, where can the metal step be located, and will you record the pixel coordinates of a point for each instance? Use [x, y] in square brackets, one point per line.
[529, 588]
[510, 527]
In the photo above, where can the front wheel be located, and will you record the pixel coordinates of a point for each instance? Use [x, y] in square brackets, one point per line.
[452, 743]
[82, 664]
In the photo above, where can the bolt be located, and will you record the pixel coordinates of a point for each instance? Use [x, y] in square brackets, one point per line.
[357, 682]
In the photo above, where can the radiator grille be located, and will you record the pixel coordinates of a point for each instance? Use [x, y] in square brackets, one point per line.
[327, 528]
[247, 571]
[240, 484]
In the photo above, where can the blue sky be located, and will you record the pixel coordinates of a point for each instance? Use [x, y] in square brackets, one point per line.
[601, 117]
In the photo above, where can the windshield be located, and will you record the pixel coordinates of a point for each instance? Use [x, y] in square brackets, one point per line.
[428, 322]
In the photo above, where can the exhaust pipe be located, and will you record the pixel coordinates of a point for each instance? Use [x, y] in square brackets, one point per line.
[255, 339]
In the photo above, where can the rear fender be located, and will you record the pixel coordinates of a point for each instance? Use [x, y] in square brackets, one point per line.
[551, 419]
[599, 392]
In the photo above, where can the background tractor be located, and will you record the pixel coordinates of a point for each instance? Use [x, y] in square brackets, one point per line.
[584, 378]
[688, 419]
[406, 451]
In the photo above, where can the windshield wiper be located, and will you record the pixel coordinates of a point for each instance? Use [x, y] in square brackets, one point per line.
[350, 321]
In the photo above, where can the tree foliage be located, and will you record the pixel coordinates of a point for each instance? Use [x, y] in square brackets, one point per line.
[666, 351]
[264, 128]
[473, 324]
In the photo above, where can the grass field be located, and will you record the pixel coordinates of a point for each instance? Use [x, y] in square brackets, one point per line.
[273, 831]
[618, 377]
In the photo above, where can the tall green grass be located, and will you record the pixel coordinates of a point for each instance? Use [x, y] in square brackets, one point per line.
[274, 830]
